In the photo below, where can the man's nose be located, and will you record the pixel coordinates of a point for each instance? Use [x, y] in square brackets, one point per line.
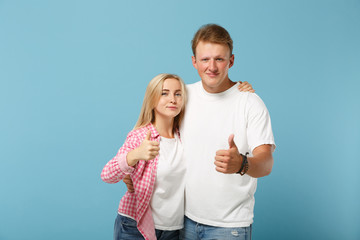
[212, 65]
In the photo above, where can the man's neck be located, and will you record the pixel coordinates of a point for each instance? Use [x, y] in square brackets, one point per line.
[218, 89]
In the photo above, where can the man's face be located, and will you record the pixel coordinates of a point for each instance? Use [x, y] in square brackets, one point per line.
[212, 62]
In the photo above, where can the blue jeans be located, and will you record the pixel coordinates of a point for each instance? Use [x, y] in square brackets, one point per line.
[125, 229]
[197, 231]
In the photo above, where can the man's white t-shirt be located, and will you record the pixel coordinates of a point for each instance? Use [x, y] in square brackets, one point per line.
[211, 197]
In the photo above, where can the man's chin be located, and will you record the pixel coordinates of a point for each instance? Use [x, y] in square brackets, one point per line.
[211, 82]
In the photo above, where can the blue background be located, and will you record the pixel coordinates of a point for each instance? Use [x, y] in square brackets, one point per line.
[73, 75]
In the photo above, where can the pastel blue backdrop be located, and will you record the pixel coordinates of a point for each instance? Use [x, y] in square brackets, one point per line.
[73, 75]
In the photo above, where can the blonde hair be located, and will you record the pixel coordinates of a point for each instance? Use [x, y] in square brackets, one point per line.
[151, 99]
[212, 33]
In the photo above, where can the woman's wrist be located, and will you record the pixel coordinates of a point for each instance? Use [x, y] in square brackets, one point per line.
[131, 158]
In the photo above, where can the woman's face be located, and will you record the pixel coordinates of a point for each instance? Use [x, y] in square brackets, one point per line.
[171, 101]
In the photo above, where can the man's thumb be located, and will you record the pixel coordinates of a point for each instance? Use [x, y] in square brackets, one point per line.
[148, 135]
[231, 141]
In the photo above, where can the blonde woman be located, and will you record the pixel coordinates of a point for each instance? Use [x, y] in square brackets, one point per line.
[152, 156]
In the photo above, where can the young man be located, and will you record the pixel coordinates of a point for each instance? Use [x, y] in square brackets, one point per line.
[221, 126]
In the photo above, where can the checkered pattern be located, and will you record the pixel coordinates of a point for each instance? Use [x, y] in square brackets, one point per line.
[143, 176]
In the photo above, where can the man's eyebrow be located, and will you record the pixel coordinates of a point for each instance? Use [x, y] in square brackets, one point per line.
[217, 56]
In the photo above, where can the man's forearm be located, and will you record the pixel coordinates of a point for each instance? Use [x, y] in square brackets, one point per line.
[260, 165]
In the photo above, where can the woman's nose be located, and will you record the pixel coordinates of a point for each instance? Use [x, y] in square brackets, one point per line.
[172, 99]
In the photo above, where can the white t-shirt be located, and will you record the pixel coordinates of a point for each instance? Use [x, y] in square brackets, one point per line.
[167, 201]
[211, 197]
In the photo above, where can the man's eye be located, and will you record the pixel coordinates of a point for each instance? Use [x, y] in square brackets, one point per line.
[204, 60]
[219, 59]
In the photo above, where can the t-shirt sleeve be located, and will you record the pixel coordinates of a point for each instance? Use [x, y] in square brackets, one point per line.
[259, 130]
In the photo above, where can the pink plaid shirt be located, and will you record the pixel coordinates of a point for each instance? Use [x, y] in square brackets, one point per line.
[143, 176]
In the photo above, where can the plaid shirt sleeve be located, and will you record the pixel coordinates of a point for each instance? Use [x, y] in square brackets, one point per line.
[116, 169]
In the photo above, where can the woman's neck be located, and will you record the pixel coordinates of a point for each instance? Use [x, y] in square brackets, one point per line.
[164, 127]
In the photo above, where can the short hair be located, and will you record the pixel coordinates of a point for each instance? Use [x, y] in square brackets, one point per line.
[151, 99]
[212, 33]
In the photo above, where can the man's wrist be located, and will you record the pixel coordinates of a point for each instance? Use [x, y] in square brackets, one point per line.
[244, 165]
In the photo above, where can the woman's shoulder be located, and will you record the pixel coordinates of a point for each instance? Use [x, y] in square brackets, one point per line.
[138, 131]
[142, 131]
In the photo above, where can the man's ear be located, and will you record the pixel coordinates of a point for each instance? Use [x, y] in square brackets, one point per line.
[193, 59]
[232, 58]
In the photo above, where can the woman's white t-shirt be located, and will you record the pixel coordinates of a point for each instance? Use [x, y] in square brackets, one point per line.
[167, 202]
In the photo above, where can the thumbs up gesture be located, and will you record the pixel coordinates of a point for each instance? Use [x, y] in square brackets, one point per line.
[229, 160]
[146, 151]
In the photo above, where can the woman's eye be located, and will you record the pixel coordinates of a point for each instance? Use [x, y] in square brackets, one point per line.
[178, 94]
[164, 93]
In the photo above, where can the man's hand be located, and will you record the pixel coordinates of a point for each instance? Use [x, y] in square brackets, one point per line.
[129, 184]
[146, 151]
[245, 87]
[228, 161]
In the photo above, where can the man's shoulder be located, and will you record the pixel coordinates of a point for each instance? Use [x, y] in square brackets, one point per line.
[193, 85]
[248, 100]
[253, 97]
[254, 101]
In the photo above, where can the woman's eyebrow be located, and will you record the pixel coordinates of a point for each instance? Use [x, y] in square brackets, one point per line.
[167, 90]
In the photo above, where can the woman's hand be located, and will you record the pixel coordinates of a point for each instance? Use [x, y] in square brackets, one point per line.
[245, 87]
[129, 184]
[146, 151]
